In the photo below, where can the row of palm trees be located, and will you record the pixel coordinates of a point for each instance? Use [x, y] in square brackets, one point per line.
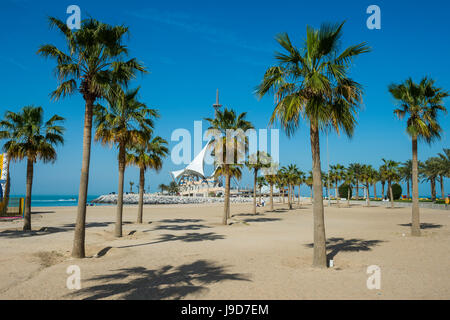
[95, 65]
[357, 175]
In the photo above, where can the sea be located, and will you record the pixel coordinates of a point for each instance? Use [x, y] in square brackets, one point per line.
[55, 200]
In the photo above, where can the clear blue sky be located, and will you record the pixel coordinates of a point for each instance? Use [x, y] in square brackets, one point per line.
[193, 47]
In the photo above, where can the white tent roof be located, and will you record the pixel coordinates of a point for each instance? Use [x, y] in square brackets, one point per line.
[196, 167]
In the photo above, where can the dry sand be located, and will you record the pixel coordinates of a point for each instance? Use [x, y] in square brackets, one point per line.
[182, 251]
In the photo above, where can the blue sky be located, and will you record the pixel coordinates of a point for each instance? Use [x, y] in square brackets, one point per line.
[193, 47]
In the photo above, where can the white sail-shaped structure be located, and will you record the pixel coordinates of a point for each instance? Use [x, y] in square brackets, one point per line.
[195, 168]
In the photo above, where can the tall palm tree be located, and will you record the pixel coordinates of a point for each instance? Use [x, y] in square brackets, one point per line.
[125, 122]
[256, 162]
[382, 180]
[390, 170]
[420, 102]
[131, 186]
[31, 138]
[225, 144]
[337, 172]
[313, 83]
[147, 155]
[406, 175]
[94, 59]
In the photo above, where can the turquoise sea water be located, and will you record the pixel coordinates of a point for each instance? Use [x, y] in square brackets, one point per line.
[55, 200]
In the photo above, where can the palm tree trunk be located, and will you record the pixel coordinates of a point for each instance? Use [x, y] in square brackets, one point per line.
[260, 195]
[299, 194]
[226, 206]
[27, 215]
[407, 188]
[415, 224]
[290, 197]
[382, 189]
[391, 195]
[7, 186]
[119, 209]
[320, 257]
[337, 194]
[141, 194]
[255, 174]
[357, 189]
[433, 189]
[271, 197]
[368, 195]
[348, 195]
[375, 190]
[442, 188]
[284, 195]
[78, 250]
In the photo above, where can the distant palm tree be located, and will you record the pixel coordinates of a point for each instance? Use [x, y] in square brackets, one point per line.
[256, 162]
[33, 139]
[337, 172]
[406, 174]
[430, 171]
[162, 187]
[93, 60]
[131, 186]
[444, 168]
[390, 170]
[349, 179]
[357, 170]
[299, 180]
[271, 178]
[313, 83]
[125, 122]
[223, 121]
[147, 155]
[261, 182]
[420, 102]
[368, 175]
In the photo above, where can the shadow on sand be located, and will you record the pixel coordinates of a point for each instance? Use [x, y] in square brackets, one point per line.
[336, 245]
[188, 237]
[167, 282]
[177, 227]
[424, 225]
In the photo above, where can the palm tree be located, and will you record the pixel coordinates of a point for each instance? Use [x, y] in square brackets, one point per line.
[368, 175]
[390, 170]
[225, 144]
[312, 83]
[256, 162]
[430, 170]
[406, 174]
[421, 102]
[300, 179]
[33, 139]
[382, 180]
[309, 183]
[131, 186]
[125, 122]
[357, 170]
[94, 60]
[261, 182]
[348, 178]
[337, 172]
[271, 179]
[147, 155]
[444, 168]
[162, 187]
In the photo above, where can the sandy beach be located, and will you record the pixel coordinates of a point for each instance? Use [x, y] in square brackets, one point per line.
[183, 252]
